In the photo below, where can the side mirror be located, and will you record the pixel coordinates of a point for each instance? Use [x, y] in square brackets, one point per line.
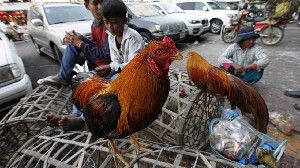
[205, 8]
[162, 12]
[37, 22]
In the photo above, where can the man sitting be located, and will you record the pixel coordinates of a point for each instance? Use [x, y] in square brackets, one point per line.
[245, 59]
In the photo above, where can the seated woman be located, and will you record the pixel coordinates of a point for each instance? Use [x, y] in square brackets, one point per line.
[245, 59]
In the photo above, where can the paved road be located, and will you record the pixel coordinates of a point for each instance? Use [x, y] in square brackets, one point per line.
[36, 66]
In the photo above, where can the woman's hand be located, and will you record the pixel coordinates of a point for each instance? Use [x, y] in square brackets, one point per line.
[238, 69]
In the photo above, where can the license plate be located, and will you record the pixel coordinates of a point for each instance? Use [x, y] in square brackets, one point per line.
[182, 35]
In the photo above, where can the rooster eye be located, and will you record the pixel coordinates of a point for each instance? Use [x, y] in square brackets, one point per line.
[159, 51]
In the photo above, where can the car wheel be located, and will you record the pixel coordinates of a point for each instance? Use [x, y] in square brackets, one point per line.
[215, 26]
[146, 37]
[37, 48]
[56, 52]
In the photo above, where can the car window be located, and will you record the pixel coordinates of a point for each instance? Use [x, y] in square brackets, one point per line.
[34, 14]
[199, 6]
[142, 10]
[172, 8]
[214, 5]
[63, 14]
[187, 5]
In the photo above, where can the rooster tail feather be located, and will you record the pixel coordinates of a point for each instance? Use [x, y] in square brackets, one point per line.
[249, 101]
[80, 77]
[216, 80]
[85, 90]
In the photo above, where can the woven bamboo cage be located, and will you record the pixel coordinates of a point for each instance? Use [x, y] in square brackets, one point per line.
[80, 149]
[186, 114]
[184, 119]
[26, 119]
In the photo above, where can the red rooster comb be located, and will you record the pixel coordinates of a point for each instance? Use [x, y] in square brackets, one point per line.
[170, 43]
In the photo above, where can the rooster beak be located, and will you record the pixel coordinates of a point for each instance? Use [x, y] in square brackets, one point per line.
[178, 56]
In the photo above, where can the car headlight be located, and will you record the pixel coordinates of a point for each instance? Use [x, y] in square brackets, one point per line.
[230, 15]
[158, 27]
[194, 21]
[9, 72]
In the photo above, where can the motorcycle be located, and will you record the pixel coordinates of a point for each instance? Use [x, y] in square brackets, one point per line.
[271, 32]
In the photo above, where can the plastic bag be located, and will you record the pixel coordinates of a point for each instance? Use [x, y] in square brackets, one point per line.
[283, 122]
[233, 139]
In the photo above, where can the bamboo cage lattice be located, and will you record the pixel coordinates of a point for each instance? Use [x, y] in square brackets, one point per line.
[26, 119]
[183, 121]
[80, 149]
[186, 114]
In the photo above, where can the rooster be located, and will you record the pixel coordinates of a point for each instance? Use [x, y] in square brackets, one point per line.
[132, 101]
[218, 81]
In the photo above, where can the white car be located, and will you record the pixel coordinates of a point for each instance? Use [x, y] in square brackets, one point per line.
[216, 14]
[196, 24]
[48, 24]
[14, 82]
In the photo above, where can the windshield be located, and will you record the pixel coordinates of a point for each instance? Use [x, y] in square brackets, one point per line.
[171, 8]
[63, 14]
[214, 5]
[142, 10]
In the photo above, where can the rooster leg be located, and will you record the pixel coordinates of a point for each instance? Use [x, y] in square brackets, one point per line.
[115, 152]
[138, 147]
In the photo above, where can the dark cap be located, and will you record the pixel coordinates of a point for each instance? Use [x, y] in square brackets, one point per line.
[246, 33]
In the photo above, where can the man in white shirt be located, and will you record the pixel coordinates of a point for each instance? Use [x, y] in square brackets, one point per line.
[124, 42]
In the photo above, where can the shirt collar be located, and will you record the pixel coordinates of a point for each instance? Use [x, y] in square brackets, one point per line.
[97, 23]
[126, 33]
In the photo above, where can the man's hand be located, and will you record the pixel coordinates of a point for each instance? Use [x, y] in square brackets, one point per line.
[68, 38]
[76, 41]
[103, 70]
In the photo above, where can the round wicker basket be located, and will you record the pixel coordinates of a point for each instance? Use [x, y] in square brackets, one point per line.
[186, 114]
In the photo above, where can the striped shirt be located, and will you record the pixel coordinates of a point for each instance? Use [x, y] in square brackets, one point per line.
[254, 55]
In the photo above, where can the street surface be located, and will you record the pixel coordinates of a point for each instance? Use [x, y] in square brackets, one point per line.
[282, 73]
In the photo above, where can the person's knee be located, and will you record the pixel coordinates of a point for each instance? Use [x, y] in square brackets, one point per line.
[71, 49]
[252, 76]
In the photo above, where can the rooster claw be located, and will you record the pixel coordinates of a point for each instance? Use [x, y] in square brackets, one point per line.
[116, 153]
[138, 148]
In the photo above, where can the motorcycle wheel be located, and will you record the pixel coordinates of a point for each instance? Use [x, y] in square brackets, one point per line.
[229, 36]
[271, 35]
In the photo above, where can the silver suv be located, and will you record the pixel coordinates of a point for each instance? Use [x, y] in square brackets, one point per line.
[48, 23]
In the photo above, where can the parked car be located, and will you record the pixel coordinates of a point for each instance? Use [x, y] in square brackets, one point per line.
[47, 24]
[196, 24]
[14, 82]
[151, 24]
[216, 15]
